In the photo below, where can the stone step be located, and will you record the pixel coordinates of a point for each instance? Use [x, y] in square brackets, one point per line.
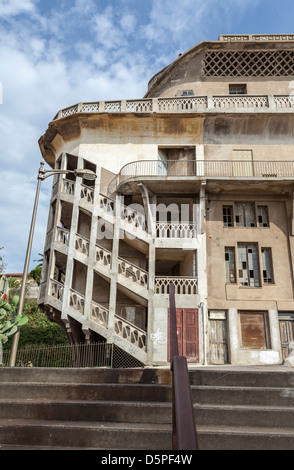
[73, 410]
[73, 391]
[282, 377]
[87, 435]
[271, 396]
[250, 415]
[244, 438]
[85, 375]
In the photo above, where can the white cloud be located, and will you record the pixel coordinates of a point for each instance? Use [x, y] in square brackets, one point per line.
[16, 7]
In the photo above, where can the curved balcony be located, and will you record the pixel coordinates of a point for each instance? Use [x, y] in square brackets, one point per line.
[188, 104]
[195, 169]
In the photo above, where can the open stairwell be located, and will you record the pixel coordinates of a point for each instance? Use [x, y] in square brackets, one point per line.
[130, 409]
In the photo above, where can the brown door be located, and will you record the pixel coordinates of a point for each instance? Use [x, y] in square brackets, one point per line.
[287, 335]
[187, 331]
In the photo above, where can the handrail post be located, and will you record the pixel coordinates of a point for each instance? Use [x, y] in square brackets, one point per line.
[184, 436]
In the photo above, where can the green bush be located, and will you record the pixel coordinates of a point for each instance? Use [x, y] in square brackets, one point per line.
[39, 330]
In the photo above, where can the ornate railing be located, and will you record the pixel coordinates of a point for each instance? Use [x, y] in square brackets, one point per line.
[99, 314]
[56, 289]
[132, 272]
[130, 332]
[256, 37]
[62, 235]
[87, 193]
[68, 187]
[176, 230]
[239, 102]
[107, 205]
[208, 103]
[82, 244]
[77, 301]
[182, 285]
[103, 256]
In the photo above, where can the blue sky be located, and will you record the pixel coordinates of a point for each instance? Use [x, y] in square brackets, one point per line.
[56, 53]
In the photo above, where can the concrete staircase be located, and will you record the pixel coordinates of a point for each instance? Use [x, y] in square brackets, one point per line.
[235, 408]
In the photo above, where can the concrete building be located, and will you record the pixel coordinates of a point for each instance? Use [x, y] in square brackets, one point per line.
[195, 186]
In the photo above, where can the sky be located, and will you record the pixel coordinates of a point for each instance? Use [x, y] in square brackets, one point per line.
[55, 53]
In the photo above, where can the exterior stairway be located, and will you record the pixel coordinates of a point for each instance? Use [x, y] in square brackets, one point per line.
[235, 408]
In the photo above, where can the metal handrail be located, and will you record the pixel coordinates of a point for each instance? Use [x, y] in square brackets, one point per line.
[184, 435]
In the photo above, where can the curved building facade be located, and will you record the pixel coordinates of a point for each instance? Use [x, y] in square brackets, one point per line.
[195, 187]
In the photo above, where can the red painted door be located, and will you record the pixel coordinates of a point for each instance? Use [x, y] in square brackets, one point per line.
[187, 330]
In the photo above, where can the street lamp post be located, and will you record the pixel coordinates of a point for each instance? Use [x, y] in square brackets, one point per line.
[42, 175]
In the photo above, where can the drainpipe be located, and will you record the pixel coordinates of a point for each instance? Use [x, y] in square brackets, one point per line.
[203, 311]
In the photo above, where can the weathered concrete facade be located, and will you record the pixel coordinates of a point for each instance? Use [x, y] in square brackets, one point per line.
[194, 186]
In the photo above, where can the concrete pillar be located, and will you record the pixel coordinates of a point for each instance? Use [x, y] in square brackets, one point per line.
[233, 339]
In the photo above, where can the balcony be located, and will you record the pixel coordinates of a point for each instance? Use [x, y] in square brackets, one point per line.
[189, 104]
[197, 169]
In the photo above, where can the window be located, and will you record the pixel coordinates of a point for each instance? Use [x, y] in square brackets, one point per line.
[245, 215]
[237, 89]
[228, 216]
[248, 265]
[267, 266]
[254, 330]
[230, 265]
[262, 216]
[187, 93]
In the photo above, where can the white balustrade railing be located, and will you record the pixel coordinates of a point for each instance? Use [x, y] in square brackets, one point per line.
[77, 301]
[130, 332]
[87, 193]
[103, 256]
[56, 289]
[62, 235]
[132, 272]
[131, 217]
[99, 314]
[244, 103]
[68, 187]
[176, 230]
[82, 244]
[107, 205]
[183, 285]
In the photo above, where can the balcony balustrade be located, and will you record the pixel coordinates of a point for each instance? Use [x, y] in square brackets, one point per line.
[183, 285]
[56, 289]
[99, 314]
[77, 301]
[203, 104]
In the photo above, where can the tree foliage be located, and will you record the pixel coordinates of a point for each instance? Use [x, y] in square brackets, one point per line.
[39, 330]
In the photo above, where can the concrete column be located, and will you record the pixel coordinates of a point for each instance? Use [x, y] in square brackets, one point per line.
[233, 339]
[151, 284]
[114, 265]
[274, 327]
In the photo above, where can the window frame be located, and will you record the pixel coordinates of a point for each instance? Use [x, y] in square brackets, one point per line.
[268, 250]
[227, 265]
[256, 214]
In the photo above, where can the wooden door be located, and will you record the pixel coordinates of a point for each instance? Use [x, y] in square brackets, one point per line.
[218, 344]
[287, 335]
[187, 332]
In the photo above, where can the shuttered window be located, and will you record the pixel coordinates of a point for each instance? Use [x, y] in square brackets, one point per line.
[254, 330]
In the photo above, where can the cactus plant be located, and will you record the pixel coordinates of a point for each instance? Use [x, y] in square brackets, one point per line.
[9, 321]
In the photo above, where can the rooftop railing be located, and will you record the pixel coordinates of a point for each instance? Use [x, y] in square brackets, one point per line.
[207, 103]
